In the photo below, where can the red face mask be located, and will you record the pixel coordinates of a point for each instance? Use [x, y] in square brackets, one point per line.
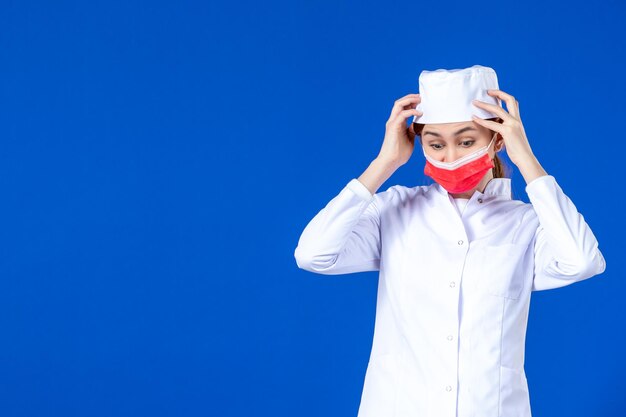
[463, 174]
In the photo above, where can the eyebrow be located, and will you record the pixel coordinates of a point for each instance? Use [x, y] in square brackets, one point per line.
[457, 133]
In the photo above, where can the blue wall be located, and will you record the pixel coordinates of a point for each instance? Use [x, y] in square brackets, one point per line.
[159, 160]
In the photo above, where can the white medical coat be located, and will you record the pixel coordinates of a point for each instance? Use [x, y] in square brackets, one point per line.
[454, 290]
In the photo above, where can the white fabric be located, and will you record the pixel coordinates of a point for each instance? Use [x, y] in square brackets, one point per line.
[446, 95]
[461, 203]
[453, 294]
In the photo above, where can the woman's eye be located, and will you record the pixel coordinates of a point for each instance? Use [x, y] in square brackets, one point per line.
[465, 143]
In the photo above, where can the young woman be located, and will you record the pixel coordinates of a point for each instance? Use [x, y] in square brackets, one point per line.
[458, 259]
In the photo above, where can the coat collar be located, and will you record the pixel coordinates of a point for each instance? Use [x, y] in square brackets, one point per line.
[495, 187]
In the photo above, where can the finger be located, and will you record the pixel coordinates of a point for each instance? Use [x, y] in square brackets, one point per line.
[512, 105]
[409, 101]
[492, 108]
[495, 126]
[402, 116]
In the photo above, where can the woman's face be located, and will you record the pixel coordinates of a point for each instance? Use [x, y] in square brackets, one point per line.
[447, 142]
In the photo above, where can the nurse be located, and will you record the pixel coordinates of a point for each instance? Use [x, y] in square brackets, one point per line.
[457, 259]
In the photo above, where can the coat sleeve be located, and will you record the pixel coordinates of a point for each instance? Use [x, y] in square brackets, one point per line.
[344, 237]
[565, 248]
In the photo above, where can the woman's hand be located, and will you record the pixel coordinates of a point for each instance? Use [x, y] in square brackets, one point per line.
[399, 140]
[511, 129]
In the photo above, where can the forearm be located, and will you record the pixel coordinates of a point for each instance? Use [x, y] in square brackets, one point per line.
[530, 168]
[344, 236]
[566, 249]
[376, 174]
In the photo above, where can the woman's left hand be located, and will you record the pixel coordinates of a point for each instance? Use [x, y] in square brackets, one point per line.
[511, 129]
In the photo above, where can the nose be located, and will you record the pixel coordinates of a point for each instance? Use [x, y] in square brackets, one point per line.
[451, 155]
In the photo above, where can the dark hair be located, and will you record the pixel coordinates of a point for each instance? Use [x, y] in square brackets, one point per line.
[500, 170]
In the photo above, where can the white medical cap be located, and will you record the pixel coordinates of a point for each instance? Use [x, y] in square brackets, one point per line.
[446, 95]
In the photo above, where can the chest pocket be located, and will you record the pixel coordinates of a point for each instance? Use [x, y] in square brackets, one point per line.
[502, 270]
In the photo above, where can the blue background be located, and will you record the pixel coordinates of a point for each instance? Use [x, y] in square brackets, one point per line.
[159, 161]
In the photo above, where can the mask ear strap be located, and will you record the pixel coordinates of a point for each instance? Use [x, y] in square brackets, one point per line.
[492, 139]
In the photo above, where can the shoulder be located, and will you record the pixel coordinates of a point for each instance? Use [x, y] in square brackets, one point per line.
[521, 210]
[401, 194]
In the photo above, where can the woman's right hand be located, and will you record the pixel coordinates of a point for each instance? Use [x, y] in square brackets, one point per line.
[399, 139]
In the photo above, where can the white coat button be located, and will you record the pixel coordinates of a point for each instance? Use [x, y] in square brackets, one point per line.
[460, 242]
[452, 283]
[450, 337]
[448, 388]
[480, 200]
